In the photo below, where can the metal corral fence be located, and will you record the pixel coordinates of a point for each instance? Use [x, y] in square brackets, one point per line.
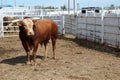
[26, 12]
[102, 27]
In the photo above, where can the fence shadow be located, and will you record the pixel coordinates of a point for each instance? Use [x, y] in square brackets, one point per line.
[93, 45]
[17, 60]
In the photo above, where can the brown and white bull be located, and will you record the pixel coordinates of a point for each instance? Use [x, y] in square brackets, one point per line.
[35, 32]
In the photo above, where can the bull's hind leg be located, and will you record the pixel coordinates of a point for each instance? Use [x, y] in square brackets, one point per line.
[54, 47]
[46, 50]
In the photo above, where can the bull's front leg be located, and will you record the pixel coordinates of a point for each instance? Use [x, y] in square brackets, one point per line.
[27, 49]
[34, 52]
[28, 58]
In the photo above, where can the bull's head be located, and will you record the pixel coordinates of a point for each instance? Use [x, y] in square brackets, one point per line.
[27, 25]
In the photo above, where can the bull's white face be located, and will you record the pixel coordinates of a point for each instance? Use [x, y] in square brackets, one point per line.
[28, 26]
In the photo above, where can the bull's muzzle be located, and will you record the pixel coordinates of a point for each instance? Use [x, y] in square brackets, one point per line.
[30, 33]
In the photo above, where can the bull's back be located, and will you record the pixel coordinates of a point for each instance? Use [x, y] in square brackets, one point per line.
[42, 27]
[47, 26]
[53, 26]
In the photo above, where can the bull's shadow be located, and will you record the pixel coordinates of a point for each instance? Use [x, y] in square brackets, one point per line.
[17, 60]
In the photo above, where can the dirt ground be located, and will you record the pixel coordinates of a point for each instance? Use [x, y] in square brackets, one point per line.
[76, 60]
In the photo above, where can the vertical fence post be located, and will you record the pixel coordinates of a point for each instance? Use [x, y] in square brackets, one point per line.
[22, 14]
[102, 27]
[2, 27]
[68, 7]
[76, 25]
[42, 13]
[63, 28]
[86, 14]
[77, 29]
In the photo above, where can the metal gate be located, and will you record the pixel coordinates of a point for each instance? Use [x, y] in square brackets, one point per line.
[9, 31]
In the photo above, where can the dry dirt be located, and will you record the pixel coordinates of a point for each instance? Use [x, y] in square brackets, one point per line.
[76, 60]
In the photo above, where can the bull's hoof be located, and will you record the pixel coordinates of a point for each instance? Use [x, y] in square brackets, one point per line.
[28, 62]
[33, 63]
[45, 59]
[54, 58]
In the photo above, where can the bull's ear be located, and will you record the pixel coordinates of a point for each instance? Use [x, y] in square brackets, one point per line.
[35, 20]
[19, 23]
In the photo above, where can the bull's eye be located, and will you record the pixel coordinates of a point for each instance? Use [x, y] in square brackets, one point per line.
[25, 27]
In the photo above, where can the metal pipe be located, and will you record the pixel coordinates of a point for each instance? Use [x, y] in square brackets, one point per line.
[15, 3]
[74, 6]
[1, 3]
[68, 6]
[6, 2]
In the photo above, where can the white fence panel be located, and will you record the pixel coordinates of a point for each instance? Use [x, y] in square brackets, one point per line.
[111, 30]
[59, 20]
[90, 20]
[92, 27]
[111, 21]
[67, 24]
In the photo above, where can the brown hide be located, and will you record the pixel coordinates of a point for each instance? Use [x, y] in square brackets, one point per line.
[44, 30]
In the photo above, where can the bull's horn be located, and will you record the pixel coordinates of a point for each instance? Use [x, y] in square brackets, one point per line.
[16, 20]
[35, 18]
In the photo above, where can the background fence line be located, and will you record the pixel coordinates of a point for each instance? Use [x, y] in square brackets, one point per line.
[102, 28]
[21, 13]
